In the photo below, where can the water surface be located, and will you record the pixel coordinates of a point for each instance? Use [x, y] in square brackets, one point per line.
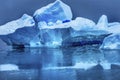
[61, 64]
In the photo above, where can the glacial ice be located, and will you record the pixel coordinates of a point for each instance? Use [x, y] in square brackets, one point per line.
[102, 23]
[53, 12]
[53, 27]
[12, 26]
[78, 24]
[50, 37]
[111, 42]
[19, 32]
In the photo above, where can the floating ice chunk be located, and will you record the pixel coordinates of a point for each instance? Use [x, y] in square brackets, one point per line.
[53, 12]
[9, 67]
[12, 26]
[82, 24]
[102, 23]
[111, 42]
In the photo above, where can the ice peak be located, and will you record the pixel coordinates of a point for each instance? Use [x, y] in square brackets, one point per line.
[102, 22]
[103, 19]
[57, 10]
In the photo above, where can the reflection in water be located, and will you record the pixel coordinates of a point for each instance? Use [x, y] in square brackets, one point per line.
[60, 64]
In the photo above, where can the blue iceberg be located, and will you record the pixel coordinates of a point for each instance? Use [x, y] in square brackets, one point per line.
[53, 12]
[19, 32]
[52, 26]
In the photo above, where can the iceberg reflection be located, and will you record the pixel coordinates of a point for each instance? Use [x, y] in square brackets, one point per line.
[60, 64]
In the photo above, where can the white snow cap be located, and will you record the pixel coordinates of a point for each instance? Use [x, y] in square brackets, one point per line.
[10, 27]
[81, 23]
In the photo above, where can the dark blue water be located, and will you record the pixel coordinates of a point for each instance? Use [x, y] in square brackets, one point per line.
[61, 64]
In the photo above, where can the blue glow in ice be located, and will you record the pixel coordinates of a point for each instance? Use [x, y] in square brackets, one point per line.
[53, 12]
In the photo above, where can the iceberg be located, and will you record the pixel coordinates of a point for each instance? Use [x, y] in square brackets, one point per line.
[80, 31]
[58, 33]
[52, 26]
[102, 23]
[53, 12]
[12, 26]
[19, 32]
[111, 42]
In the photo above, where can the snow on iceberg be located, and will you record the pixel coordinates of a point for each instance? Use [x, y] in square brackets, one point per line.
[12, 26]
[78, 24]
[53, 12]
[19, 32]
[111, 42]
[81, 23]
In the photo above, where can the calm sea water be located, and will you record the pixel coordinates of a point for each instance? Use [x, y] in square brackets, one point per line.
[60, 64]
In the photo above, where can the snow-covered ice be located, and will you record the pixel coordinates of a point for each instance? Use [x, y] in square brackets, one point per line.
[11, 27]
[53, 12]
